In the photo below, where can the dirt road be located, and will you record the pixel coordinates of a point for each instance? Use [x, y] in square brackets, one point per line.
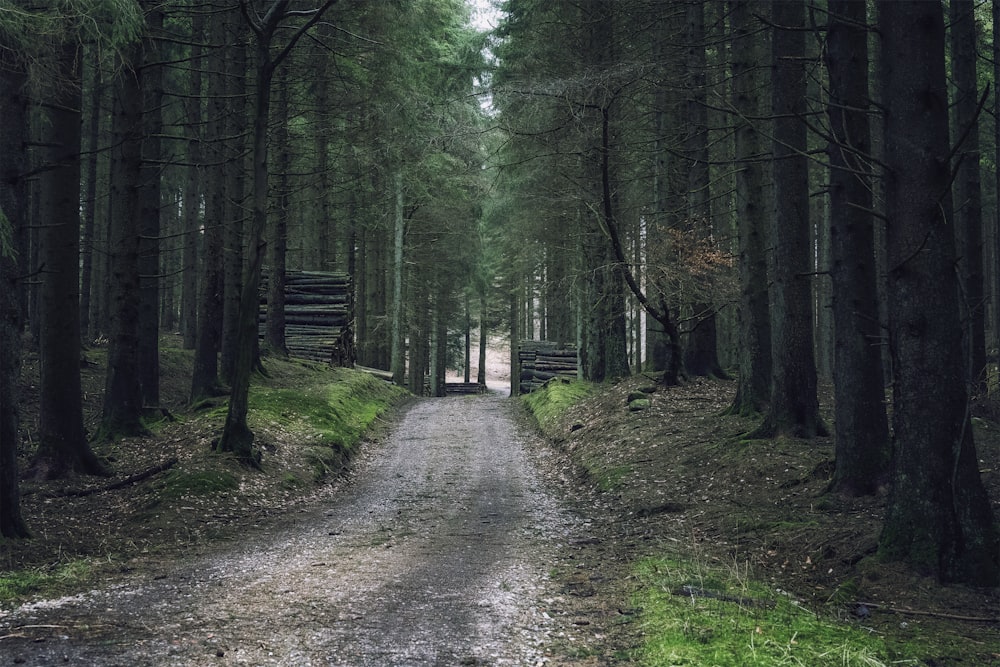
[436, 553]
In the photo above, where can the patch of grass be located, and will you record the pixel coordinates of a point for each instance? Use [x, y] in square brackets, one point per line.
[553, 399]
[607, 477]
[290, 481]
[729, 620]
[178, 483]
[323, 461]
[337, 414]
[17, 585]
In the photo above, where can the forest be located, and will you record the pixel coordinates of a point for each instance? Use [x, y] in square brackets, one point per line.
[791, 194]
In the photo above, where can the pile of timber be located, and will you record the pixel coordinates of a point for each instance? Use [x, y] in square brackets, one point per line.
[317, 316]
[542, 360]
[463, 388]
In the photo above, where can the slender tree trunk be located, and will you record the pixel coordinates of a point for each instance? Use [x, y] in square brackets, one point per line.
[862, 433]
[616, 351]
[15, 132]
[62, 443]
[663, 352]
[483, 338]
[398, 359]
[277, 245]
[514, 306]
[123, 396]
[794, 407]
[938, 517]
[753, 390]
[233, 259]
[237, 436]
[150, 207]
[193, 190]
[205, 377]
[968, 186]
[701, 355]
[996, 183]
[90, 197]
[467, 361]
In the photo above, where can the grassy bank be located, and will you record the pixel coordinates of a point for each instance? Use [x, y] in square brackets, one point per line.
[309, 420]
[731, 553]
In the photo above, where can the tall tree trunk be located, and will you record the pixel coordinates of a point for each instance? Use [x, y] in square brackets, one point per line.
[233, 240]
[701, 355]
[398, 354]
[995, 285]
[467, 331]
[616, 363]
[193, 188]
[603, 350]
[483, 339]
[794, 406]
[663, 349]
[150, 207]
[277, 244]
[237, 436]
[90, 197]
[938, 517]
[15, 133]
[123, 396]
[62, 444]
[862, 433]
[968, 186]
[754, 387]
[514, 306]
[205, 377]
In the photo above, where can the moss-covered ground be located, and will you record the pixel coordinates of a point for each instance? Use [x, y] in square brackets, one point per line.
[308, 420]
[716, 551]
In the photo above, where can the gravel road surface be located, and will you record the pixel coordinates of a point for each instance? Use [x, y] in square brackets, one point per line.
[436, 553]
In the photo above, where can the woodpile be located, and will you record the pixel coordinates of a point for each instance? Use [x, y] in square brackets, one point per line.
[318, 316]
[542, 360]
[463, 388]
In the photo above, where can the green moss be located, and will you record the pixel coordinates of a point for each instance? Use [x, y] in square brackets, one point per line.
[734, 621]
[323, 461]
[336, 414]
[554, 398]
[17, 585]
[607, 477]
[178, 483]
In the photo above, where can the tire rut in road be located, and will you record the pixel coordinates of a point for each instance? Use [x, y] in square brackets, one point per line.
[436, 555]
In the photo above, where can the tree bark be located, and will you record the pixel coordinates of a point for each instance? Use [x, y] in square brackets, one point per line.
[62, 444]
[14, 135]
[150, 207]
[234, 148]
[237, 437]
[938, 517]
[968, 186]
[193, 188]
[123, 396]
[274, 333]
[794, 406]
[398, 354]
[208, 341]
[754, 386]
[701, 356]
[87, 285]
[861, 429]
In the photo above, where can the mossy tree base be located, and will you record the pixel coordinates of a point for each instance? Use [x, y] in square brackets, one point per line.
[237, 439]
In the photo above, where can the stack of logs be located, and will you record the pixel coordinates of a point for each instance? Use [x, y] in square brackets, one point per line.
[317, 316]
[542, 360]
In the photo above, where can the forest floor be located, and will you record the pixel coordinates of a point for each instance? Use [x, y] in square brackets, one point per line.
[671, 481]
